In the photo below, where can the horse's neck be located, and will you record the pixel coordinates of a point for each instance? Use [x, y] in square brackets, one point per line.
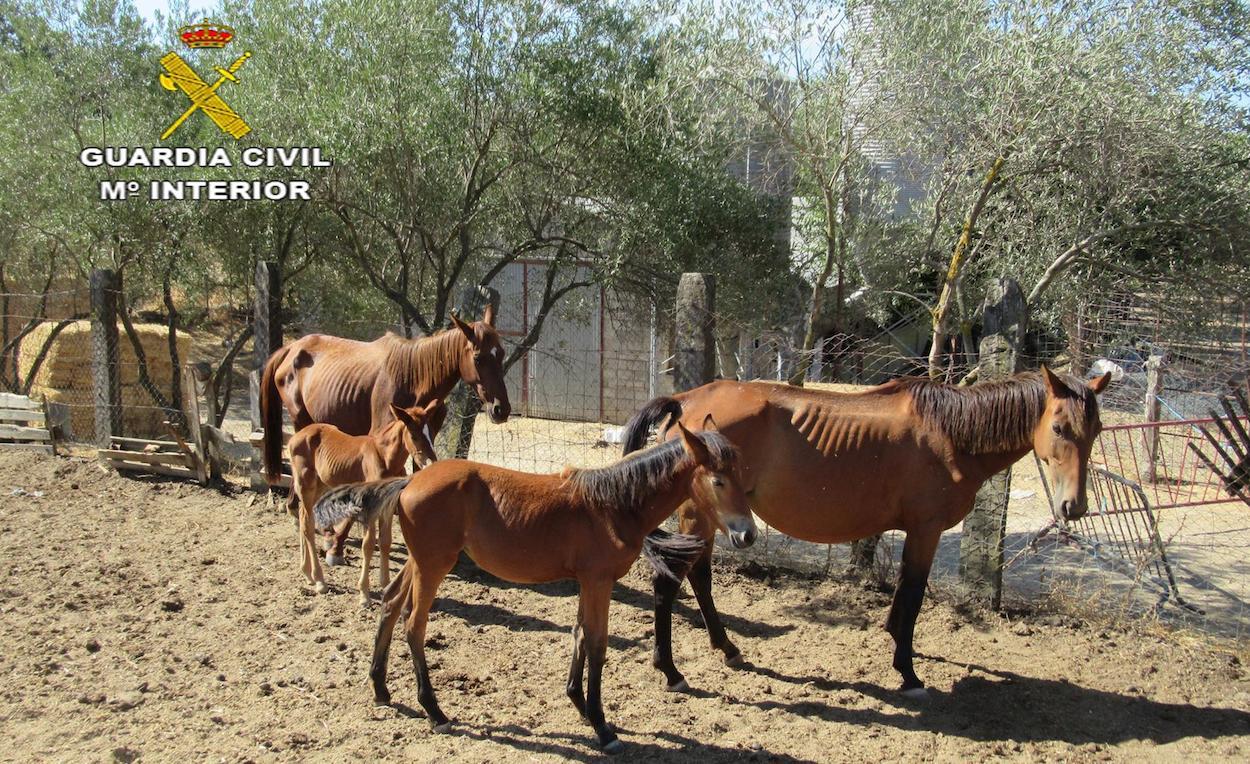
[390, 444]
[427, 367]
[658, 507]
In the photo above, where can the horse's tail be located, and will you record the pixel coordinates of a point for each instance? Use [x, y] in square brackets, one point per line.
[652, 413]
[271, 415]
[672, 554]
[360, 501]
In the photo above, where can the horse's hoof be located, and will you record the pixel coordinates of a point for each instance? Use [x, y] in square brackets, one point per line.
[681, 686]
[735, 660]
[444, 728]
[382, 700]
[613, 747]
[365, 602]
[916, 693]
[320, 587]
[335, 559]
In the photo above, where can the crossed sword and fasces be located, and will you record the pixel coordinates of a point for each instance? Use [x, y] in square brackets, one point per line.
[178, 75]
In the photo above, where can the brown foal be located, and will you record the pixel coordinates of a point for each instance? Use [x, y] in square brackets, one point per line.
[587, 525]
[323, 456]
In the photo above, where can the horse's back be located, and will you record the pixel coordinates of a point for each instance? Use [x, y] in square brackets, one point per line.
[329, 379]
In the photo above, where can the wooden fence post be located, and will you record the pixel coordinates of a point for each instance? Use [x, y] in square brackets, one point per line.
[981, 544]
[267, 334]
[266, 338]
[105, 366]
[463, 405]
[694, 362]
[1156, 368]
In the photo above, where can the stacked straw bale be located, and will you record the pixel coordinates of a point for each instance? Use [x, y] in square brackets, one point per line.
[66, 375]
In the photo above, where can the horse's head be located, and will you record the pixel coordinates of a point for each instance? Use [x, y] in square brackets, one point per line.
[715, 486]
[481, 364]
[1063, 438]
[417, 441]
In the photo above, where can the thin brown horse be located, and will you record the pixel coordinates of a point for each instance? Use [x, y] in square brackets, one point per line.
[587, 525]
[352, 385]
[908, 455]
[323, 456]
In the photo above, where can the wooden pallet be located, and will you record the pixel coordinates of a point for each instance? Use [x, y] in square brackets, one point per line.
[171, 458]
[24, 425]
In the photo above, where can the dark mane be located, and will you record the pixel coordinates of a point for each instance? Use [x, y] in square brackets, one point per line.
[991, 416]
[624, 488]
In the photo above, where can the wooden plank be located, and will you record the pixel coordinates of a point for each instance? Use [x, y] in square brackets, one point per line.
[22, 415]
[181, 460]
[257, 438]
[120, 441]
[14, 432]
[36, 447]
[158, 469]
[15, 401]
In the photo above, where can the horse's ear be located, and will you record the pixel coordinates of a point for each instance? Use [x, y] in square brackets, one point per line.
[402, 415]
[464, 329]
[489, 315]
[695, 447]
[1054, 385]
[709, 424]
[433, 406]
[1098, 384]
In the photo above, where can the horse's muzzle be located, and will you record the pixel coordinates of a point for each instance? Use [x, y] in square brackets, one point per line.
[499, 412]
[1072, 510]
[742, 539]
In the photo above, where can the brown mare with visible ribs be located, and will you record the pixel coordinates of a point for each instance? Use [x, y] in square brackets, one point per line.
[323, 456]
[588, 525]
[908, 455]
[352, 385]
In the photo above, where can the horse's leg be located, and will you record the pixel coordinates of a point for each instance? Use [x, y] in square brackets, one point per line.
[596, 596]
[578, 666]
[385, 533]
[918, 551]
[312, 560]
[393, 600]
[701, 582]
[336, 542]
[366, 559]
[665, 590]
[428, 575]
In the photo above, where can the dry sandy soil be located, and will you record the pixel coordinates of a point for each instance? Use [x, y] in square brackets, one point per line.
[158, 621]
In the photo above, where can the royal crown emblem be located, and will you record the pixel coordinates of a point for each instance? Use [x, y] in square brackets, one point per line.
[207, 34]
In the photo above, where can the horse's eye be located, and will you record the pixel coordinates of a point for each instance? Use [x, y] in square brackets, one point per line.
[477, 357]
[718, 482]
[1057, 428]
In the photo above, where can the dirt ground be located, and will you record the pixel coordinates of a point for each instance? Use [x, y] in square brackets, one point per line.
[160, 621]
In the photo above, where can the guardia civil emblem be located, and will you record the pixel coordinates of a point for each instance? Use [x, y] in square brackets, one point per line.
[179, 76]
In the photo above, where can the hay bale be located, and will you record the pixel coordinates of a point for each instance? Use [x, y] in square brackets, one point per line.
[66, 374]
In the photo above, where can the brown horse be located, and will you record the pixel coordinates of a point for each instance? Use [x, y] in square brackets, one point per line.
[323, 456]
[908, 455]
[588, 525]
[352, 385]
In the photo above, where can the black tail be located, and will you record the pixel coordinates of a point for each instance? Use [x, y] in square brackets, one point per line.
[651, 414]
[360, 501]
[672, 554]
[271, 416]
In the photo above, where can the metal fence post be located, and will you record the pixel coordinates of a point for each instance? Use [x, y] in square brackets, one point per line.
[694, 362]
[981, 545]
[105, 369]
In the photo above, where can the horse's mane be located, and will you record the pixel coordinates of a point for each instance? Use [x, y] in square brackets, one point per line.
[992, 416]
[622, 489]
[423, 361]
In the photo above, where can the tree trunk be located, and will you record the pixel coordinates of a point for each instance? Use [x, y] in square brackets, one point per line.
[818, 292]
[941, 314]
